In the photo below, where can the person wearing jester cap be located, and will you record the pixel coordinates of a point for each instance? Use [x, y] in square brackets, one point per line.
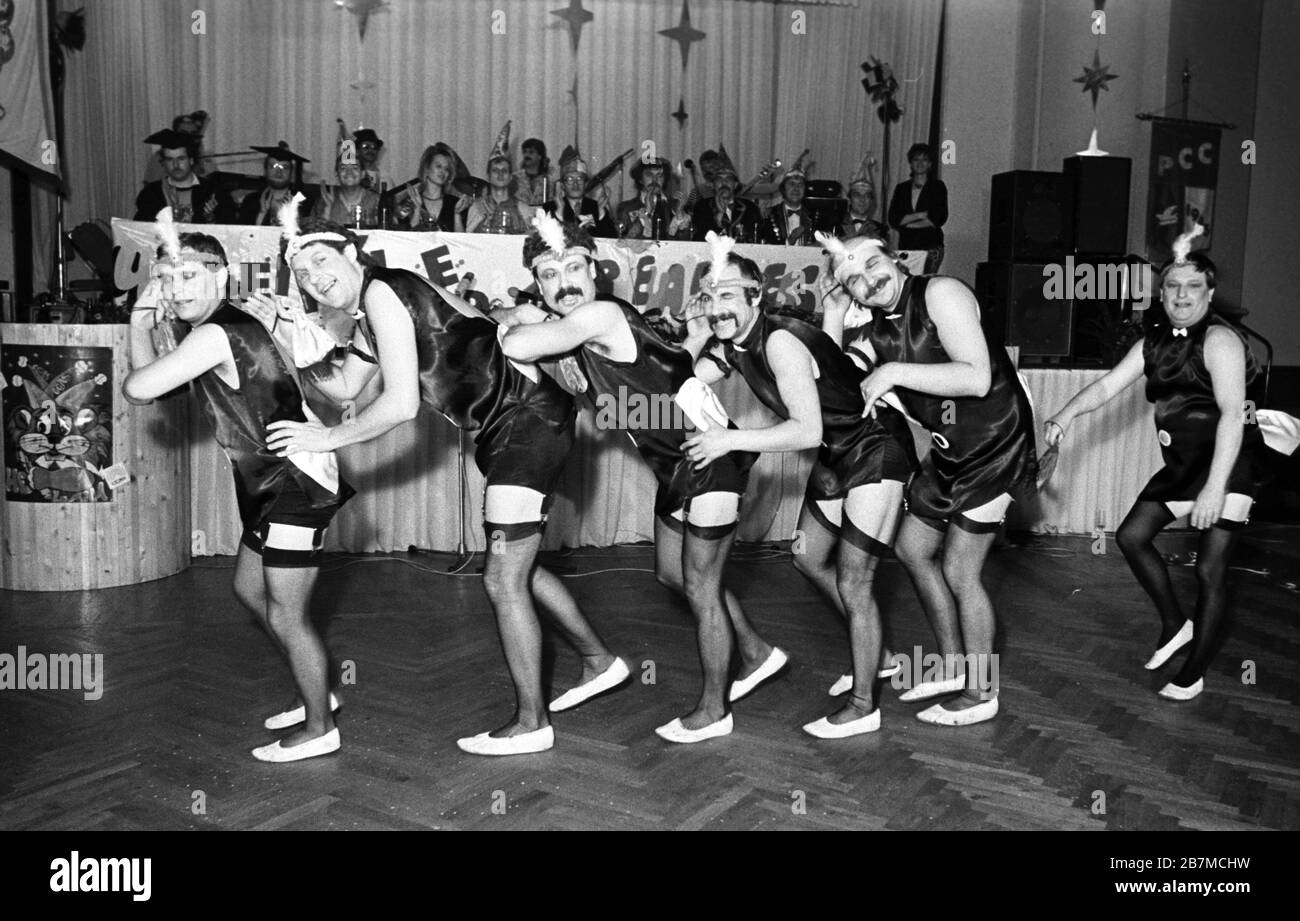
[435, 348]
[617, 359]
[920, 338]
[854, 497]
[1197, 366]
[242, 384]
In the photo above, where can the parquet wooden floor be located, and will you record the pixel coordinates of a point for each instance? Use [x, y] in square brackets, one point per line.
[188, 679]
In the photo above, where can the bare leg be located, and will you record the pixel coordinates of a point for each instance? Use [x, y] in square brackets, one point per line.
[507, 574]
[288, 597]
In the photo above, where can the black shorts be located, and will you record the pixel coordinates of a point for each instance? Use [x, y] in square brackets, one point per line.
[291, 533]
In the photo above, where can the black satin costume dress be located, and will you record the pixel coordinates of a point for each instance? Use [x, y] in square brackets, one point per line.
[523, 430]
[1187, 416]
[855, 451]
[656, 373]
[983, 446]
[268, 489]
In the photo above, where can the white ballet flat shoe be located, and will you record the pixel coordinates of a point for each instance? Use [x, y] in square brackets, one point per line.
[611, 677]
[825, 729]
[1173, 691]
[938, 716]
[1166, 652]
[297, 715]
[774, 662]
[322, 745]
[842, 685]
[927, 689]
[526, 743]
[890, 670]
[676, 732]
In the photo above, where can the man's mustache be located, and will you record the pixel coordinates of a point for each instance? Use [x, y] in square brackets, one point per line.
[570, 291]
[716, 318]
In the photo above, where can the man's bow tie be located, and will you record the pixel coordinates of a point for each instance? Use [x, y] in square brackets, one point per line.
[1181, 332]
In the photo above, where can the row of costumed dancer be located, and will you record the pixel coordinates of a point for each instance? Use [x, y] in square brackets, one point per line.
[891, 346]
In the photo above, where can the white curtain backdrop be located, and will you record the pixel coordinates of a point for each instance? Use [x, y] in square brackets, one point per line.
[285, 71]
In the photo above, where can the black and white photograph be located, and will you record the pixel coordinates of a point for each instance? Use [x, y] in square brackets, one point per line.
[650, 415]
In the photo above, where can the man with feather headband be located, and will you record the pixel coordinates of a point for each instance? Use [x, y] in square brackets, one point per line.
[921, 339]
[243, 385]
[1197, 366]
[612, 354]
[432, 347]
[854, 498]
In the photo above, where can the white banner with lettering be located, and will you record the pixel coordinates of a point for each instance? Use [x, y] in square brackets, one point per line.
[653, 277]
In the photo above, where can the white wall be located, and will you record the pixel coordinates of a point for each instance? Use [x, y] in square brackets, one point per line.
[1273, 231]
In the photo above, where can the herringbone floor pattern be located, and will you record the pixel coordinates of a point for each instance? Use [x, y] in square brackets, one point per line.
[1082, 742]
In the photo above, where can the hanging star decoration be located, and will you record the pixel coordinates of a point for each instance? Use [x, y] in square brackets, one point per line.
[576, 17]
[684, 34]
[1096, 77]
[362, 9]
[680, 114]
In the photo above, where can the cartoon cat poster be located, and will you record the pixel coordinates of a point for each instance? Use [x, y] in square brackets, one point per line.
[57, 408]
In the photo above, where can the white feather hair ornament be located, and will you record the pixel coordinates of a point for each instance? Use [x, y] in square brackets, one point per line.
[1183, 245]
[168, 235]
[551, 231]
[287, 216]
[720, 247]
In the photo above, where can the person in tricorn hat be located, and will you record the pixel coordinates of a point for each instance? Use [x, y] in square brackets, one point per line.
[723, 212]
[193, 200]
[574, 207]
[369, 146]
[280, 170]
[650, 216]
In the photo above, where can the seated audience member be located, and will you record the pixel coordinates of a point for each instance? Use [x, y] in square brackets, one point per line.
[574, 207]
[723, 212]
[650, 215]
[789, 222]
[280, 170]
[426, 203]
[858, 221]
[369, 148]
[534, 180]
[349, 203]
[499, 211]
[193, 200]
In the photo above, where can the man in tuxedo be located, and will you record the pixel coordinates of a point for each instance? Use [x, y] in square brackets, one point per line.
[789, 223]
[858, 221]
[724, 212]
[280, 170]
[193, 200]
[576, 208]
